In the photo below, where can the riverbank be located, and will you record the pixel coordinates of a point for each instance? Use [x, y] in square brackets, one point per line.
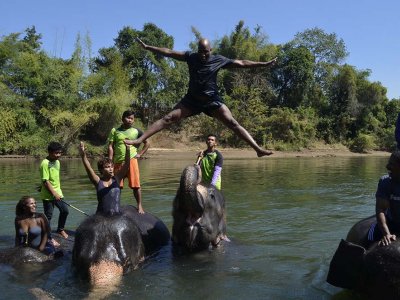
[248, 153]
[230, 153]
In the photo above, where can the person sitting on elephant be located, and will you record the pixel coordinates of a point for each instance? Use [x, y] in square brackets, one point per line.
[32, 228]
[387, 205]
[107, 184]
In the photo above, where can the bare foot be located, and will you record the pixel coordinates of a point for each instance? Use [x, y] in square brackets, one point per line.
[63, 234]
[225, 238]
[140, 210]
[264, 152]
[55, 243]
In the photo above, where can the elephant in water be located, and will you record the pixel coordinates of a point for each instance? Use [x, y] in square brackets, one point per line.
[21, 255]
[198, 213]
[370, 269]
[106, 247]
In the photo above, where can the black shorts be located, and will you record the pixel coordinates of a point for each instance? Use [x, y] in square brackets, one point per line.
[198, 106]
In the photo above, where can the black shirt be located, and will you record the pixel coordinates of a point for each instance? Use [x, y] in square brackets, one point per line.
[203, 76]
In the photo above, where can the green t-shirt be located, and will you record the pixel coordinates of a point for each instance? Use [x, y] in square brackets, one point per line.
[50, 171]
[208, 164]
[117, 136]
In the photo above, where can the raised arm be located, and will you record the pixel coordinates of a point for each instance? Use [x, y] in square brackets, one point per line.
[110, 150]
[179, 55]
[89, 170]
[243, 63]
[125, 167]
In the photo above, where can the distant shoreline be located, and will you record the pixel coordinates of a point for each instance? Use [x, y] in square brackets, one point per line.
[163, 153]
[248, 153]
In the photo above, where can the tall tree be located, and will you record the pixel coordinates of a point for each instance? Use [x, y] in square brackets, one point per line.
[329, 52]
[293, 76]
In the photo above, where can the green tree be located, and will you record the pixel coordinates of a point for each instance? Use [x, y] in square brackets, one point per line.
[32, 39]
[296, 127]
[293, 77]
[153, 76]
[329, 52]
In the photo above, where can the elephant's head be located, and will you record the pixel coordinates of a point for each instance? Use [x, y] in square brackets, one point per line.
[369, 269]
[106, 247]
[198, 212]
[382, 271]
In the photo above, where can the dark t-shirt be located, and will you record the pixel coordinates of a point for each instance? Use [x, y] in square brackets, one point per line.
[203, 76]
[389, 190]
[108, 198]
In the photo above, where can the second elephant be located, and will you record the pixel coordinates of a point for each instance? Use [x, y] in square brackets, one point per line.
[198, 213]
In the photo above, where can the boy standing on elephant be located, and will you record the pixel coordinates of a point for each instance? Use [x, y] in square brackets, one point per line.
[116, 152]
[210, 161]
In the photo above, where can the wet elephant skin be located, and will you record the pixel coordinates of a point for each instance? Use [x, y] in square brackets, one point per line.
[371, 270]
[198, 213]
[122, 239]
[115, 239]
[154, 232]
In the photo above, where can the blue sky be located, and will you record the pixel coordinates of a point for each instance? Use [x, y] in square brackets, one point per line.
[370, 29]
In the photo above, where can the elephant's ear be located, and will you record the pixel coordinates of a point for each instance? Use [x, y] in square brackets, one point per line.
[346, 265]
[202, 195]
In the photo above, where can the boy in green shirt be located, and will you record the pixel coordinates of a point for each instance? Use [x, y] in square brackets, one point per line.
[50, 192]
[116, 152]
[211, 161]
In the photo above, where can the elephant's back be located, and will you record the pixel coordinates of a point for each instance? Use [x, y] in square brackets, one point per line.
[20, 255]
[155, 233]
[359, 232]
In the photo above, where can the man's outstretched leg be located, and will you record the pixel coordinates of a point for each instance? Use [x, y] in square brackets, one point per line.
[178, 113]
[224, 115]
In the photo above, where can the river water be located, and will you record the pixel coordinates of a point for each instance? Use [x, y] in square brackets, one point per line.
[285, 218]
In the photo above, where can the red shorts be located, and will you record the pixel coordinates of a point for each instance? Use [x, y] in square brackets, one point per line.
[132, 175]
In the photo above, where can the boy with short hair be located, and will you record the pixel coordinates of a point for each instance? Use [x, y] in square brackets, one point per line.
[116, 151]
[210, 161]
[51, 193]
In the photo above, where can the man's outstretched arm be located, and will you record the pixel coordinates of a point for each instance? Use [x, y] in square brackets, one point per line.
[163, 51]
[243, 63]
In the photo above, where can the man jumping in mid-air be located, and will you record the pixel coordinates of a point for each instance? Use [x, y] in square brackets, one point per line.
[202, 95]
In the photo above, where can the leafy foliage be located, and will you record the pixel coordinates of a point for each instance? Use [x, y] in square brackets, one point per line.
[308, 96]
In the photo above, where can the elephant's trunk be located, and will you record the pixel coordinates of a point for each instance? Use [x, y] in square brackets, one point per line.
[188, 192]
[105, 274]
[191, 177]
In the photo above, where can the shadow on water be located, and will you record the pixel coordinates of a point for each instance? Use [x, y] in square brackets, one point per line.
[285, 218]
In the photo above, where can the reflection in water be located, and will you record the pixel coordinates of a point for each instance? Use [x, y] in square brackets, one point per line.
[285, 219]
